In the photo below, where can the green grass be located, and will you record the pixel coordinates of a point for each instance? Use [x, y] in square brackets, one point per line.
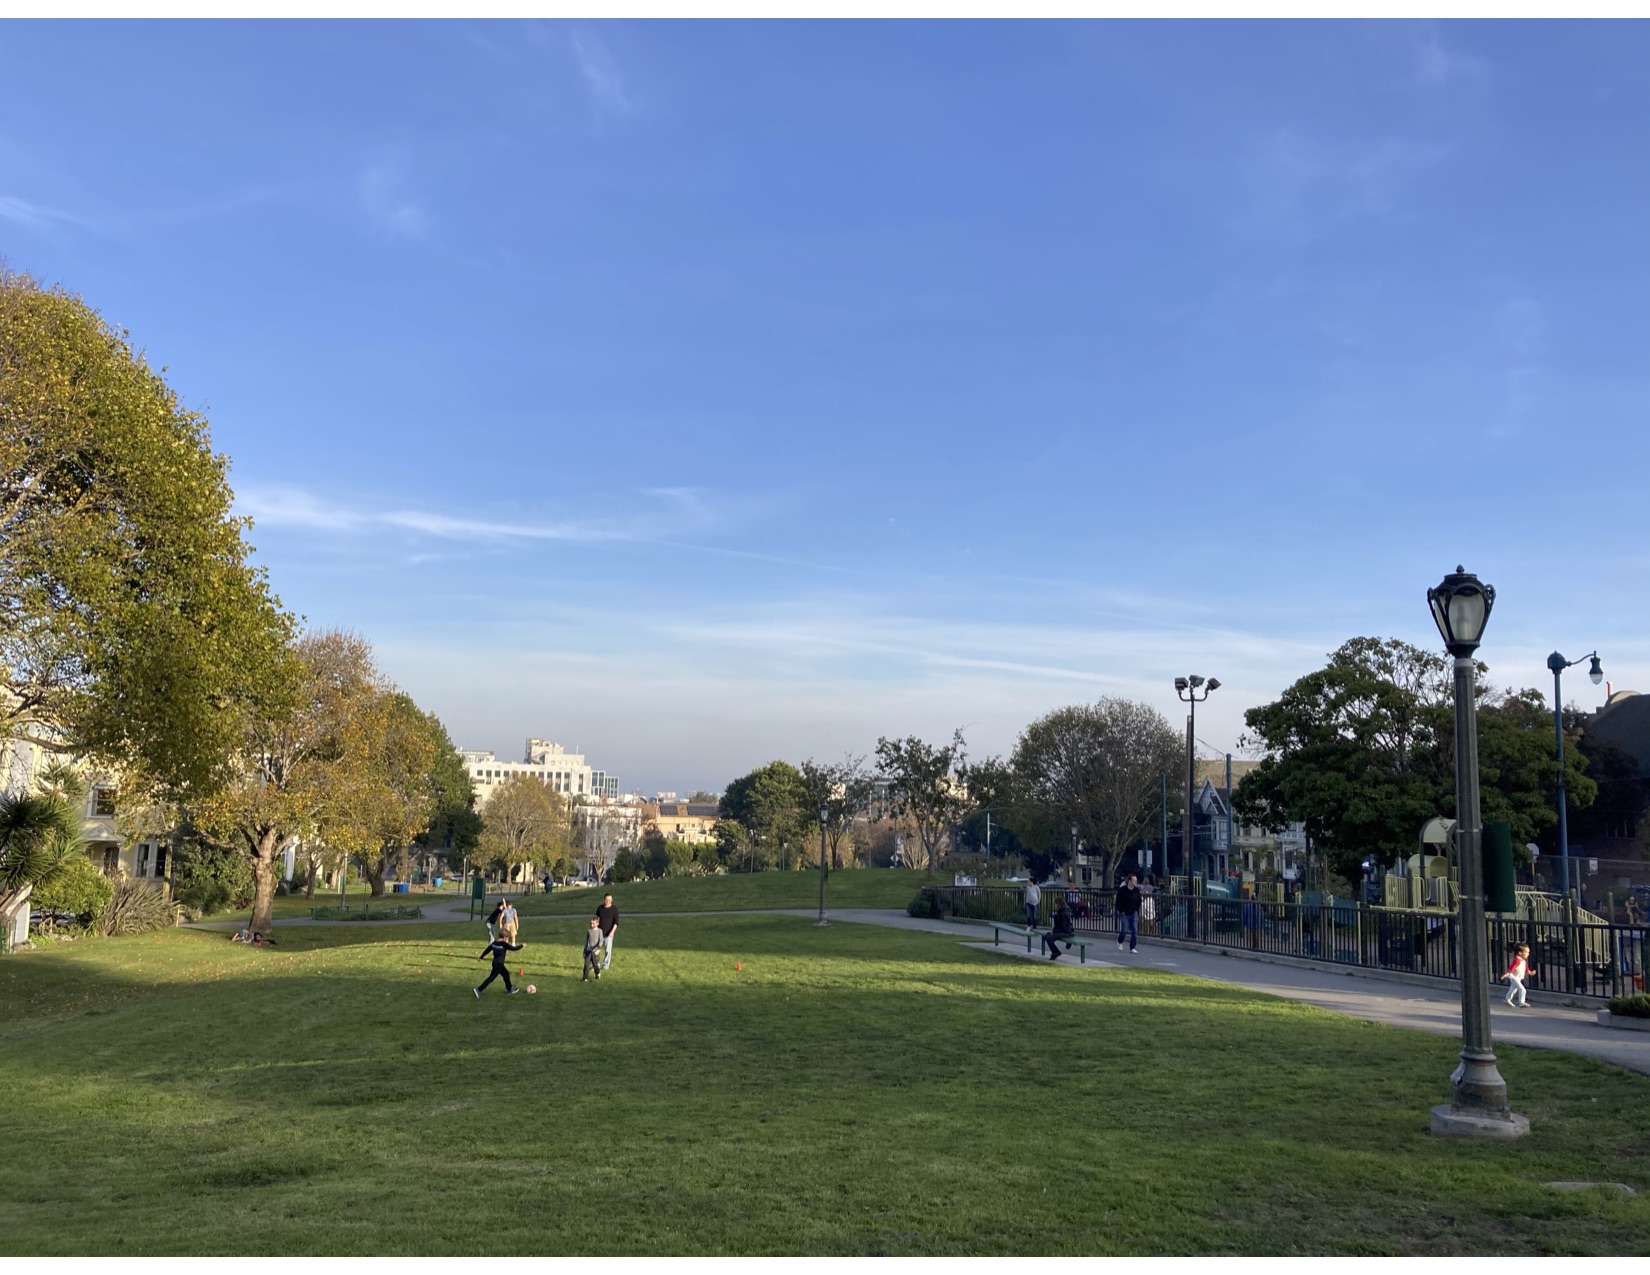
[850, 1090]
[737, 892]
[287, 906]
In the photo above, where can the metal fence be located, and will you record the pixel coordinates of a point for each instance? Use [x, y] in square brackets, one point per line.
[1575, 957]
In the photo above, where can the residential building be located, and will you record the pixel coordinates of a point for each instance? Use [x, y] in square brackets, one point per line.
[690, 821]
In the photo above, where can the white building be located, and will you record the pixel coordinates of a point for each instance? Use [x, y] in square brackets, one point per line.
[550, 764]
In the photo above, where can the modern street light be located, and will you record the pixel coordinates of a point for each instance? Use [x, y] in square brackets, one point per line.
[1071, 868]
[1478, 1109]
[1186, 688]
[1558, 664]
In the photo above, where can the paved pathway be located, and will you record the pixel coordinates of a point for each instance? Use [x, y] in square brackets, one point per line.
[1435, 1010]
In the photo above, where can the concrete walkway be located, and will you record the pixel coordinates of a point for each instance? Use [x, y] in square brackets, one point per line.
[1363, 996]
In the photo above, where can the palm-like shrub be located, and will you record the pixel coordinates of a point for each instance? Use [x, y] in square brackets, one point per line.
[38, 834]
[137, 908]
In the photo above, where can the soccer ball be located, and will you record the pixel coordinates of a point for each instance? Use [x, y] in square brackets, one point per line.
[531, 989]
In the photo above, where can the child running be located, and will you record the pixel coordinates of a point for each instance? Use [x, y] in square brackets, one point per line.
[497, 948]
[1516, 974]
[593, 944]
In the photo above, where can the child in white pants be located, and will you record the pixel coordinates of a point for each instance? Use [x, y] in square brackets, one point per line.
[1516, 973]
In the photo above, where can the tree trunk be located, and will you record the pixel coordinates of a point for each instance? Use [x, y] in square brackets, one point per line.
[263, 854]
[309, 880]
[375, 874]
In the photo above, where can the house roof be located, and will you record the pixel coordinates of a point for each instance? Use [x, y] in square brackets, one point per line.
[1625, 722]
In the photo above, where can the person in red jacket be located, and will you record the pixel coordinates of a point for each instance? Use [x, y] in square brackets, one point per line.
[1516, 973]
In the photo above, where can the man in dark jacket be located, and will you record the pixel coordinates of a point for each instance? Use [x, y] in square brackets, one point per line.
[497, 949]
[1061, 928]
[1128, 913]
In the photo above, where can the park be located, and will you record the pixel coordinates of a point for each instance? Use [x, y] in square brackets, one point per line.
[960, 518]
[753, 1083]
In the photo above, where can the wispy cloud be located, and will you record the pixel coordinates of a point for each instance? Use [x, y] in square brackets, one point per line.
[1435, 65]
[676, 511]
[602, 77]
[23, 212]
[391, 211]
[1295, 176]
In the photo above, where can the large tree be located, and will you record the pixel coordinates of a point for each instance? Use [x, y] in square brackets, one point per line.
[524, 822]
[773, 806]
[925, 785]
[1361, 752]
[380, 791]
[454, 824]
[1095, 766]
[294, 760]
[132, 626]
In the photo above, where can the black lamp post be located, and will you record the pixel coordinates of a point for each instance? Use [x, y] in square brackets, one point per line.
[1478, 1108]
[1557, 663]
[1071, 868]
[1186, 688]
[824, 816]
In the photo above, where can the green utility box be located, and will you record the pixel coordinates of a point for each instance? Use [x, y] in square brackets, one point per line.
[1498, 868]
[478, 887]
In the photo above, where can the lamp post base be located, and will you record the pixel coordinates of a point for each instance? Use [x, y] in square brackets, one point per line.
[1453, 1122]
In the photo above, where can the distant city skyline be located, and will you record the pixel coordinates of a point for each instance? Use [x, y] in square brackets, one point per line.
[695, 394]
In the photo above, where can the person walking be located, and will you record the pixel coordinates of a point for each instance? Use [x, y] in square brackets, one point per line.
[509, 924]
[592, 951]
[1148, 901]
[1517, 971]
[498, 950]
[608, 917]
[1128, 912]
[1034, 898]
[492, 920]
[1064, 926]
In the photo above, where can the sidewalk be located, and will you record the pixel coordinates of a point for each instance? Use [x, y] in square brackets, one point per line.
[1396, 1004]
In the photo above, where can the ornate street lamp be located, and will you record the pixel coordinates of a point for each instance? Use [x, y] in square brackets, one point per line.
[1185, 688]
[1478, 1108]
[1557, 663]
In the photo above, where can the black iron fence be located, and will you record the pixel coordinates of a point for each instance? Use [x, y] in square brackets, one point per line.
[1577, 958]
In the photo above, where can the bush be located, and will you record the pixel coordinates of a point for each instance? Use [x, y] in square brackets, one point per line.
[928, 904]
[137, 908]
[1631, 1006]
[77, 887]
[210, 879]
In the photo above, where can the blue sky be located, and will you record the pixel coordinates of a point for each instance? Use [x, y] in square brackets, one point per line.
[697, 394]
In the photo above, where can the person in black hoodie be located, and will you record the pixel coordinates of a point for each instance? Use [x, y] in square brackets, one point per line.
[1062, 927]
[497, 948]
[1128, 912]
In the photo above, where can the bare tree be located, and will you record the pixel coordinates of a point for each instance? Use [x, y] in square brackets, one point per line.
[925, 784]
[842, 790]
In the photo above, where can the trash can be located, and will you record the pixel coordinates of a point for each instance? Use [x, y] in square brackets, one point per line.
[401, 887]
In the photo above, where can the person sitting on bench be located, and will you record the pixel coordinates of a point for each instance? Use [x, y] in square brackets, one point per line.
[1062, 928]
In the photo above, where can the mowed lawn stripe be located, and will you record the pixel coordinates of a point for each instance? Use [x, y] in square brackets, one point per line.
[850, 1090]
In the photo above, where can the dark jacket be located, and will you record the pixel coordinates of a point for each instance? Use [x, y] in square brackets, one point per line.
[498, 911]
[1128, 899]
[1062, 924]
[498, 947]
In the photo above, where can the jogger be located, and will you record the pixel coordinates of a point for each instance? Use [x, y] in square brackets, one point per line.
[497, 949]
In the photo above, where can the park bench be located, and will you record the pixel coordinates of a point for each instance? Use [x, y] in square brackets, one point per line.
[999, 928]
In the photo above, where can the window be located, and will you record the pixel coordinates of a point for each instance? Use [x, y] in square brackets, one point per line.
[143, 861]
[103, 802]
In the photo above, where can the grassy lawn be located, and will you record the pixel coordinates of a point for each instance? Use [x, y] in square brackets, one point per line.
[851, 1090]
[738, 891]
[291, 905]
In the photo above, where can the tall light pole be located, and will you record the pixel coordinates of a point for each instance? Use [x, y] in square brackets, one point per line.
[1186, 688]
[1558, 664]
[1478, 1108]
[1071, 867]
[824, 814]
